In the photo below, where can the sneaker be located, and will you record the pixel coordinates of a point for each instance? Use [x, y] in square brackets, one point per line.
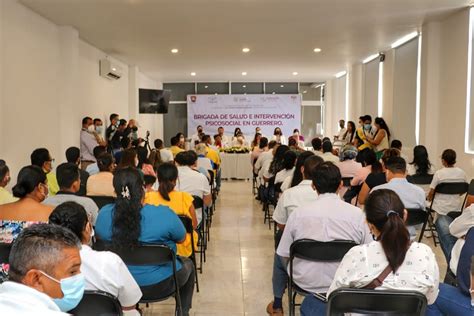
[274, 311]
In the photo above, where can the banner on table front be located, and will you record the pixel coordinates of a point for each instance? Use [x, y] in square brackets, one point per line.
[244, 111]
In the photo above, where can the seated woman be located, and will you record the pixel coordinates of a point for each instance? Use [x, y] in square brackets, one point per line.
[143, 163]
[130, 222]
[5, 196]
[412, 266]
[297, 176]
[421, 164]
[204, 164]
[239, 140]
[288, 164]
[180, 202]
[100, 184]
[31, 189]
[256, 141]
[102, 270]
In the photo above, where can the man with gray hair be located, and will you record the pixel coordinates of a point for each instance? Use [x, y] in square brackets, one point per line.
[45, 276]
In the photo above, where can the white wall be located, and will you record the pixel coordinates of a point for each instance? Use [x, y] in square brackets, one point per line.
[49, 80]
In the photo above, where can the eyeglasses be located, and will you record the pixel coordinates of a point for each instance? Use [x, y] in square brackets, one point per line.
[51, 160]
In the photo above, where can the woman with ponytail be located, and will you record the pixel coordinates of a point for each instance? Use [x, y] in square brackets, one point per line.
[31, 189]
[130, 222]
[391, 258]
[180, 202]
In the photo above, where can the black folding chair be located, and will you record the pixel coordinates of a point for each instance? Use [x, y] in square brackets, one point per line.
[316, 251]
[148, 255]
[188, 225]
[101, 201]
[97, 303]
[5, 252]
[202, 229]
[416, 217]
[450, 188]
[376, 302]
[420, 179]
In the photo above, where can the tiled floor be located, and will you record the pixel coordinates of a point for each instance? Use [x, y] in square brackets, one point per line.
[236, 279]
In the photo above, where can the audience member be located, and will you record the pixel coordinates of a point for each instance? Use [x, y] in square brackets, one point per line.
[256, 141]
[150, 182]
[181, 140]
[327, 153]
[411, 266]
[100, 184]
[381, 138]
[326, 219]
[445, 203]
[218, 142]
[102, 270]
[420, 164]
[272, 167]
[295, 145]
[266, 155]
[299, 139]
[88, 142]
[94, 168]
[5, 196]
[69, 184]
[377, 178]
[31, 188]
[204, 164]
[411, 195]
[73, 156]
[397, 144]
[317, 146]
[129, 160]
[180, 202]
[288, 164]
[45, 273]
[297, 176]
[258, 150]
[348, 136]
[368, 160]
[165, 154]
[364, 132]
[175, 149]
[342, 131]
[143, 163]
[129, 222]
[40, 157]
[348, 167]
[278, 136]
[215, 158]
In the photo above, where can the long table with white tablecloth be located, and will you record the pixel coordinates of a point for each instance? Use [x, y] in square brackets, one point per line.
[236, 166]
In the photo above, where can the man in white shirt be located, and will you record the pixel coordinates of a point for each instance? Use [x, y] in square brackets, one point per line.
[196, 138]
[165, 154]
[42, 258]
[317, 146]
[264, 160]
[445, 203]
[412, 196]
[327, 153]
[224, 139]
[328, 218]
[342, 131]
[88, 142]
[192, 181]
[69, 182]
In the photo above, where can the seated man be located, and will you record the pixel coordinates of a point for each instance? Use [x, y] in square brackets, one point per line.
[165, 154]
[412, 196]
[73, 155]
[45, 273]
[175, 149]
[94, 168]
[41, 157]
[192, 181]
[326, 219]
[291, 199]
[327, 152]
[69, 183]
[103, 270]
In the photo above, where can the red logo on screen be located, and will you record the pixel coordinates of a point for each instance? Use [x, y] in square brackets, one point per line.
[193, 98]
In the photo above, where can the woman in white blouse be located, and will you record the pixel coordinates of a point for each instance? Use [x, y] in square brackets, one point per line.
[413, 265]
[278, 136]
[289, 159]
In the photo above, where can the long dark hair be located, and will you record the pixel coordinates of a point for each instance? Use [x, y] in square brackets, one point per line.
[236, 131]
[28, 179]
[128, 159]
[277, 163]
[289, 159]
[297, 175]
[367, 157]
[255, 141]
[126, 227]
[383, 125]
[385, 211]
[3, 169]
[142, 153]
[421, 160]
[167, 175]
[353, 131]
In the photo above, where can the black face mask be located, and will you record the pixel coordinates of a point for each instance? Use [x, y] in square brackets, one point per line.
[199, 131]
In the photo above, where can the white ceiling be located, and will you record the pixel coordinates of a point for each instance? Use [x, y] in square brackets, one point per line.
[210, 34]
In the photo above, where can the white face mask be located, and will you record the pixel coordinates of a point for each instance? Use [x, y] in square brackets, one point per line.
[91, 128]
[99, 129]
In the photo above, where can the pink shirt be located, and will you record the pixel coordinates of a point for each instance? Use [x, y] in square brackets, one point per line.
[255, 153]
[360, 176]
[349, 168]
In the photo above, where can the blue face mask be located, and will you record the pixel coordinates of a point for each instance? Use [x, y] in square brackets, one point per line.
[99, 129]
[367, 126]
[73, 290]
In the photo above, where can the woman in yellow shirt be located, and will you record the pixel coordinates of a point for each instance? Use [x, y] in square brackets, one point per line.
[180, 202]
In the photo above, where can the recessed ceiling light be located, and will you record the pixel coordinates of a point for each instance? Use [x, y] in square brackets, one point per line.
[193, 74]
[282, 86]
[244, 86]
[245, 49]
[317, 50]
[205, 87]
[404, 39]
[295, 73]
[174, 50]
[244, 73]
[340, 74]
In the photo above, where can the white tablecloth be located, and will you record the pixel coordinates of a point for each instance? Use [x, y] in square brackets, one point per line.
[236, 166]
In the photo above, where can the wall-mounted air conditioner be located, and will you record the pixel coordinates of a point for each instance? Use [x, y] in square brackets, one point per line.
[110, 70]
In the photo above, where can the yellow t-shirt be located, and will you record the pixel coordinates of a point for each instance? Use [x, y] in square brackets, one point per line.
[6, 197]
[214, 156]
[53, 186]
[175, 150]
[180, 202]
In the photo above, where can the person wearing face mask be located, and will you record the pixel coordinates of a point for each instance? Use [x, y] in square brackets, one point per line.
[88, 142]
[5, 196]
[31, 189]
[239, 141]
[110, 131]
[41, 157]
[99, 131]
[298, 138]
[279, 137]
[365, 129]
[196, 138]
[45, 273]
[102, 270]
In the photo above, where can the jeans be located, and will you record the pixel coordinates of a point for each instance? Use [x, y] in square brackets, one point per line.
[450, 301]
[186, 278]
[279, 277]
[312, 306]
[446, 240]
[218, 179]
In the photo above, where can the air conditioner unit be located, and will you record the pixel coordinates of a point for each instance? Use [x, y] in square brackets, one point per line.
[110, 70]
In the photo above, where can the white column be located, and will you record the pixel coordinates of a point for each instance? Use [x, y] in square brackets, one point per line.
[355, 93]
[329, 105]
[388, 68]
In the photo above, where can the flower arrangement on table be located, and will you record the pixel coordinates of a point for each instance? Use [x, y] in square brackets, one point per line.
[235, 150]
